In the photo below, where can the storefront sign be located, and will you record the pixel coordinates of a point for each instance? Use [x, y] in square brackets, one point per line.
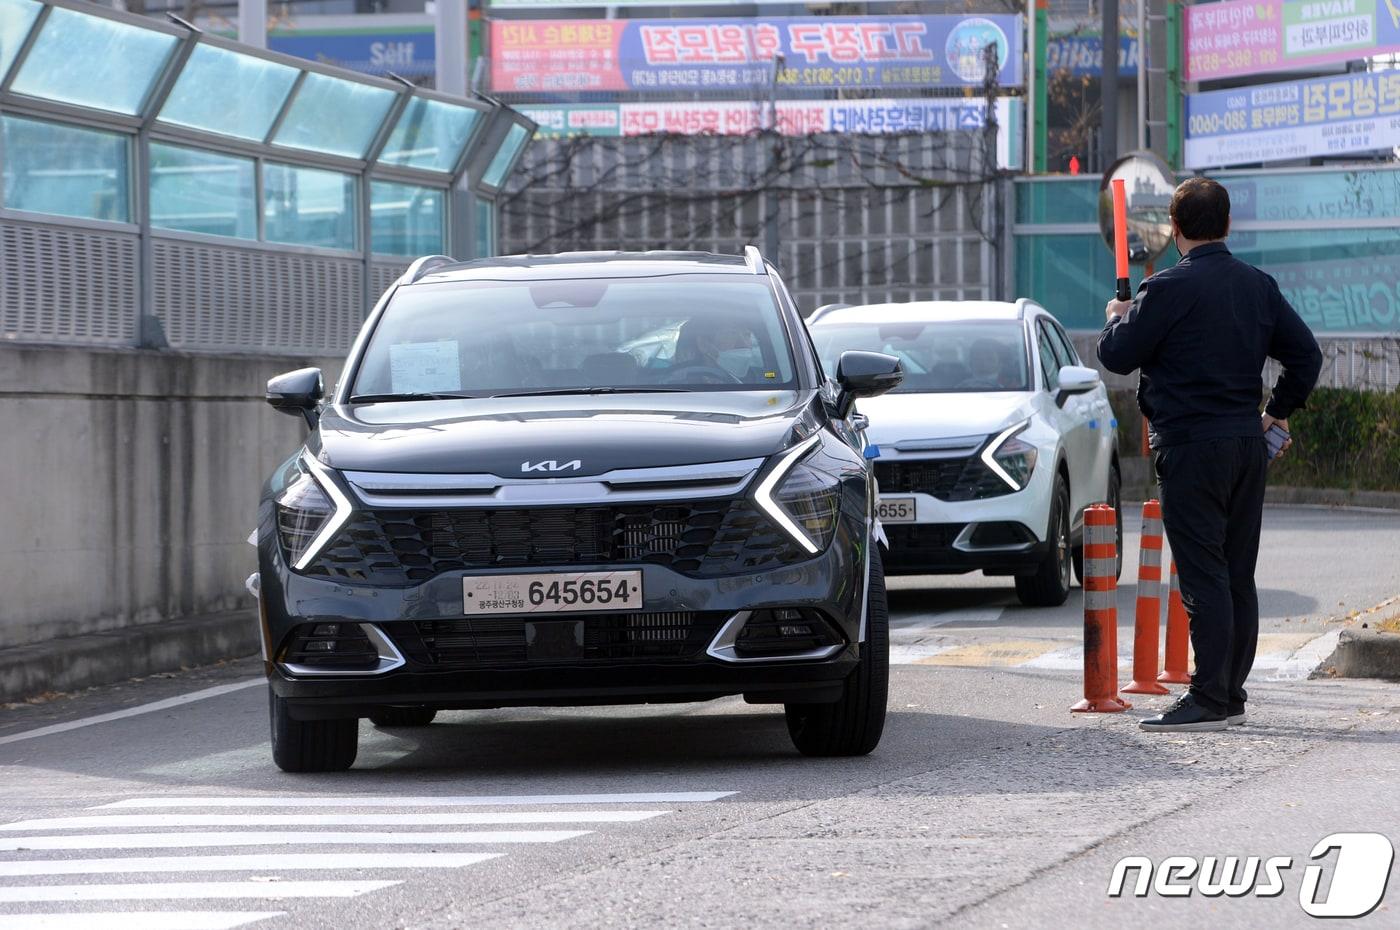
[1295, 119]
[1242, 37]
[1360, 295]
[666, 55]
[1082, 55]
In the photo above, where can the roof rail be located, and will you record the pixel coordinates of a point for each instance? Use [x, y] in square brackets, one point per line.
[754, 259]
[825, 309]
[1021, 304]
[422, 266]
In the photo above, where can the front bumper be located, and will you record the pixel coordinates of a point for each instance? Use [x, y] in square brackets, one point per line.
[954, 549]
[823, 583]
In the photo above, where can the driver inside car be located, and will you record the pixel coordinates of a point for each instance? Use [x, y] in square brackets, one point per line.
[984, 359]
[716, 347]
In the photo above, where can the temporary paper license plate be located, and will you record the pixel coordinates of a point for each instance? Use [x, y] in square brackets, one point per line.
[552, 593]
[897, 509]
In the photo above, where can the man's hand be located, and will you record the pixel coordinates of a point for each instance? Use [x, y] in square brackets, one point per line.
[1116, 308]
[1269, 421]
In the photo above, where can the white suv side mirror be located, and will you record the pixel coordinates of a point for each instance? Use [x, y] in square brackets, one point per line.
[1076, 379]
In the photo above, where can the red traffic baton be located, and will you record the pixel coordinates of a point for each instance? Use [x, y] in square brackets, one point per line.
[1147, 624]
[1100, 614]
[1120, 237]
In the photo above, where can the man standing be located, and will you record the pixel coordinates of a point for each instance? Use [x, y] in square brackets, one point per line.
[1200, 333]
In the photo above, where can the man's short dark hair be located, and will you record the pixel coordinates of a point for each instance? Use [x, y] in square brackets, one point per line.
[1201, 208]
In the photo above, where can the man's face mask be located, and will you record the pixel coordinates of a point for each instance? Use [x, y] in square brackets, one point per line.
[738, 361]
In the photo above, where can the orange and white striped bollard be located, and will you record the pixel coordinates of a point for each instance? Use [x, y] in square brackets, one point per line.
[1100, 614]
[1147, 623]
[1178, 636]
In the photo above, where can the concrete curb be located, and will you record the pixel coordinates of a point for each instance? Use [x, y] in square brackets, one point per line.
[1363, 654]
[77, 662]
[1333, 497]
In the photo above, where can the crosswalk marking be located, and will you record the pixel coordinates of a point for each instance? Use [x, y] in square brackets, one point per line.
[657, 797]
[175, 891]
[328, 820]
[337, 846]
[245, 863]
[138, 920]
[283, 838]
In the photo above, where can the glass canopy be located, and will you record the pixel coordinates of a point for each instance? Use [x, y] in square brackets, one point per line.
[16, 16]
[430, 134]
[200, 98]
[334, 116]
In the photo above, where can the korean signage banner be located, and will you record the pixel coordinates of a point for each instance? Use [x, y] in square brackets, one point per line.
[548, 56]
[1244, 37]
[793, 117]
[1357, 295]
[1295, 119]
[1082, 55]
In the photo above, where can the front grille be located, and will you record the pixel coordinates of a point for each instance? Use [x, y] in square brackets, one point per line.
[700, 538]
[961, 479]
[912, 542]
[488, 642]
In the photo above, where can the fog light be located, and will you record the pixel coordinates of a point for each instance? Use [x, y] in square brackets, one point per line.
[321, 645]
[772, 633]
[795, 629]
[326, 629]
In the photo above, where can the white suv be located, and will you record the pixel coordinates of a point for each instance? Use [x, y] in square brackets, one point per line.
[993, 446]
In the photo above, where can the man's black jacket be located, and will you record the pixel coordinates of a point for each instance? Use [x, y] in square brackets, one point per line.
[1200, 332]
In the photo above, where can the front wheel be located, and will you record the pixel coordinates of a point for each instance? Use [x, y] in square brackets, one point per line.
[1049, 586]
[311, 745]
[852, 725]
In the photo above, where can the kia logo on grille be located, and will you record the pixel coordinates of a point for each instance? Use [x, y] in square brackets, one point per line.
[552, 465]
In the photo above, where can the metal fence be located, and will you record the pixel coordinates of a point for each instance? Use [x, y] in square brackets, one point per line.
[852, 219]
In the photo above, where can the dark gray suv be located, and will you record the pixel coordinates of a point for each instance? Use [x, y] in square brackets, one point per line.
[590, 478]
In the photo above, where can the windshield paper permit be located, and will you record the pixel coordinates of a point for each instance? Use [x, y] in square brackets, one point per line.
[425, 367]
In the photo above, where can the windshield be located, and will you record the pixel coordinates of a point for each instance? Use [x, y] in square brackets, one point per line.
[946, 356]
[696, 332]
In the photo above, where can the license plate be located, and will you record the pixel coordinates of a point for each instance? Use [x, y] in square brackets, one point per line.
[552, 593]
[897, 509]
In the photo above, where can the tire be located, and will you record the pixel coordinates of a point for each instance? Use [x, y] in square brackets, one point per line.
[1049, 586]
[852, 725]
[311, 745]
[1115, 500]
[402, 716]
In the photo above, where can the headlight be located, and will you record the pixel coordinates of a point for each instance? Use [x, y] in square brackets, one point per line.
[1011, 459]
[309, 512]
[802, 499]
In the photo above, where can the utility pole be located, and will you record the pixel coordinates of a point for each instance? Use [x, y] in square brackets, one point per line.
[1037, 91]
[252, 22]
[1108, 90]
[450, 41]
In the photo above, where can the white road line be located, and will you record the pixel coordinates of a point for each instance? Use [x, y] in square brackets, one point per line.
[327, 820]
[268, 862]
[133, 711]
[282, 838]
[180, 891]
[484, 800]
[138, 920]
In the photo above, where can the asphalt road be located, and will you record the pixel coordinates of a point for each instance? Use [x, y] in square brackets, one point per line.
[986, 805]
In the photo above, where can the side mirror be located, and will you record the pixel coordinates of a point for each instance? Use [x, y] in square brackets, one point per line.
[866, 374]
[1076, 379]
[297, 393]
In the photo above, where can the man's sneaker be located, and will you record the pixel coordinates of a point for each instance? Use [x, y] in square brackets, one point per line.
[1184, 716]
[1235, 717]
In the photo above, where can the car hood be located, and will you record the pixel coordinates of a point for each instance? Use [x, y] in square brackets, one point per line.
[900, 417]
[500, 436]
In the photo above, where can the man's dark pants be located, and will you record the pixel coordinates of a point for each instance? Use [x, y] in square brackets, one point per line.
[1212, 494]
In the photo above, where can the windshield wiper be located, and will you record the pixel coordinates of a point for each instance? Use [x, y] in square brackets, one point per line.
[592, 390]
[412, 395]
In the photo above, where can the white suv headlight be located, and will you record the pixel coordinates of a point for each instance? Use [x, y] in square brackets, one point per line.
[802, 499]
[309, 512]
[1011, 459]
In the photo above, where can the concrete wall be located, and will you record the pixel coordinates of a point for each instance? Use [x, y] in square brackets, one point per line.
[130, 483]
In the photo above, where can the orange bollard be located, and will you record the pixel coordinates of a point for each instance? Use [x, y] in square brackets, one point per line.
[1178, 636]
[1147, 624]
[1100, 614]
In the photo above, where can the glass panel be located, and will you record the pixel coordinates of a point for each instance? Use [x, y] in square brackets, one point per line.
[485, 228]
[334, 116]
[1315, 197]
[308, 206]
[16, 16]
[429, 134]
[703, 332]
[51, 168]
[1058, 201]
[93, 62]
[1072, 276]
[200, 98]
[496, 172]
[405, 219]
[202, 192]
